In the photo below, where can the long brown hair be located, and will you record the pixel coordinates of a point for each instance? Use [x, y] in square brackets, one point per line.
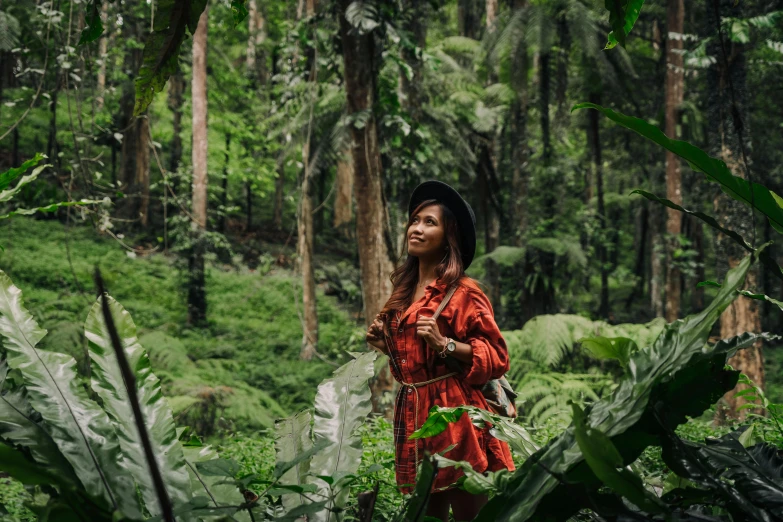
[448, 271]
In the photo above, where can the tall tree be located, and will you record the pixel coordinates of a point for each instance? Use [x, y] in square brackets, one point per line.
[197, 297]
[360, 52]
[135, 159]
[488, 176]
[520, 151]
[675, 15]
[305, 228]
[594, 138]
[103, 47]
[727, 113]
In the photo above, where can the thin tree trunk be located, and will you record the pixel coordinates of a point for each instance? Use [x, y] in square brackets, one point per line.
[224, 186]
[249, 206]
[469, 18]
[175, 102]
[491, 218]
[305, 261]
[250, 54]
[197, 298]
[375, 264]
[277, 213]
[103, 47]
[675, 15]
[564, 44]
[143, 168]
[728, 118]
[595, 145]
[305, 224]
[640, 242]
[520, 153]
[543, 105]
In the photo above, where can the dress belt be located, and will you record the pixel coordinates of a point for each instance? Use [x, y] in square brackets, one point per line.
[415, 387]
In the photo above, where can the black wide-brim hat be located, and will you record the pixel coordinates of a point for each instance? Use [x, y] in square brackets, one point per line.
[466, 219]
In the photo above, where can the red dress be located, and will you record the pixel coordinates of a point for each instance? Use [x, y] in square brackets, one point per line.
[467, 318]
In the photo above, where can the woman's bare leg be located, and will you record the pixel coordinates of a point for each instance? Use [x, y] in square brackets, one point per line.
[466, 506]
[439, 505]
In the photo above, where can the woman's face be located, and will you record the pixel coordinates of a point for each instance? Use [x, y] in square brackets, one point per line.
[426, 234]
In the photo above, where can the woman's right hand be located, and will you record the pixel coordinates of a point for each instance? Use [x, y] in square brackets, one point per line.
[374, 335]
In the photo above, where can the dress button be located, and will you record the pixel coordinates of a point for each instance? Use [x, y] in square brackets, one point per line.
[410, 390]
[400, 330]
[403, 361]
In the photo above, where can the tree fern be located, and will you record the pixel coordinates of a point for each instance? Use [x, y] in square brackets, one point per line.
[545, 396]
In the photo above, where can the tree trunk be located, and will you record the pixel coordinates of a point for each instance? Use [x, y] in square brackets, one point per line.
[375, 264]
[305, 221]
[675, 14]
[520, 153]
[277, 213]
[249, 206]
[197, 302]
[175, 102]
[564, 44]
[543, 105]
[728, 120]
[52, 149]
[343, 201]
[640, 242]
[135, 162]
[224, 187]
[489, 161]
[597, 163]
[103, 47]
[469, 18]
[305, 261]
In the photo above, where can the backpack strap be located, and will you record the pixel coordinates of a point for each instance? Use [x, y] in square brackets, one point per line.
[445, 301]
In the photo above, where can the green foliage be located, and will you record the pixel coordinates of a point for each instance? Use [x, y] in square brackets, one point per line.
[161, 50]
[751, 194]
[330, 457]
[622, 17]
[547, 395]
[79, 427]
[108, 383]
[93, 28]
[676, 361]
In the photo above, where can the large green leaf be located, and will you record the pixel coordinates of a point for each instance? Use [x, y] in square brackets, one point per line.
[7, 194]
[292, 441]
[622, 17]
[416, 509]
[677, 363]
[219, 492]
[7, 177]
[716, 170]
[503, 428]
[161, 50]
[17, 427]
[618, 348]
[50, 208]
[108, 383]
[81, 429]
[748, 480]
[342, 403]
[607, 464]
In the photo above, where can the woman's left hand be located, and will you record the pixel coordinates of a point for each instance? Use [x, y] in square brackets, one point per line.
[427, 329]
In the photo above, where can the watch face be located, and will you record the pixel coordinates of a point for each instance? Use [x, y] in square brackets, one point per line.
[451, 346]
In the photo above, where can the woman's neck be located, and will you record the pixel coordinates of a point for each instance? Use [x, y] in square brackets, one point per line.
[427, 271]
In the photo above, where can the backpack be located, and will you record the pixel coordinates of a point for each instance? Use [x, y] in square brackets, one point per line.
[498, 392]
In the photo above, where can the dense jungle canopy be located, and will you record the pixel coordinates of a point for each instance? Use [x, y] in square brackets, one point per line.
[238, 171]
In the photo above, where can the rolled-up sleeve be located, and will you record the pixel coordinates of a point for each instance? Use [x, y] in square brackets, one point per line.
[490, 354]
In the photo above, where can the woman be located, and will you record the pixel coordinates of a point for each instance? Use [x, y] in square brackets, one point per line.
[441, 243]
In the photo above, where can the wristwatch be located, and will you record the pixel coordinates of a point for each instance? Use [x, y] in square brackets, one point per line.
[450, 348]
